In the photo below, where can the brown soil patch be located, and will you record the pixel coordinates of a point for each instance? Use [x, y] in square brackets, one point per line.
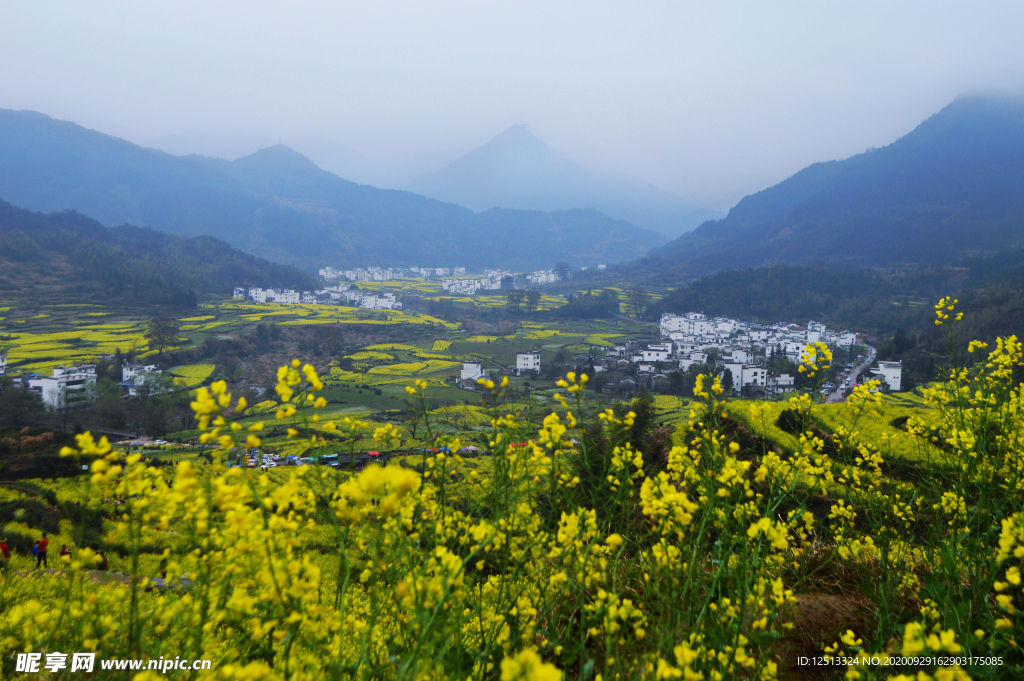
[819, 620]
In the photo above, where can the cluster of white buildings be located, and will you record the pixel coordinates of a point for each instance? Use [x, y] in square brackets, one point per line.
[454, 280]
[332, 295]
[542, 277]
[491, 281]
[74, 386]
[741, 348]
[387, 274]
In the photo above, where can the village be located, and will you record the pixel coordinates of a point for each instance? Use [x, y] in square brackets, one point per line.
[752, 360]
[454, 280]
[331, 295]
[743, 355]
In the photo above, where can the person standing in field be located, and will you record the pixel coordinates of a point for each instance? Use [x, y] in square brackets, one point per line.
[5, 555]
[41, 556]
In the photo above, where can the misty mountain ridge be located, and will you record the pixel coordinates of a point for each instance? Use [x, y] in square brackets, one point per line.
[951, 188]
[67, 256]
[278, 204]
[515, 169]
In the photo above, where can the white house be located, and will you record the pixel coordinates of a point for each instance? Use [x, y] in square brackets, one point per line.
[238, 293]
[794, 350]
[781, 383]
[690, 324]
[656, 352]
[617, 350]
[687, 362]
[753, 375]
[891, 373]
[471, 371]
[133, 376]
[131, 373]
[67, 387]
[527, 361]
[846, 339]
[736, 368]
[740, 355]
[3, 363]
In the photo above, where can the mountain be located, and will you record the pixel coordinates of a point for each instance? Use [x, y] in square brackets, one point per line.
[278, 204]
[953, 187]
[70, 257]
[517, 170]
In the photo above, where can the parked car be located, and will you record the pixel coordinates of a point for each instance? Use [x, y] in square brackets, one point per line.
[160, 442]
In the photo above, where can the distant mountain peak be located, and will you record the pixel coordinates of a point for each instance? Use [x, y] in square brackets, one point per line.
[278, 157]
[516, 169]
[278, 203]
[514, 144]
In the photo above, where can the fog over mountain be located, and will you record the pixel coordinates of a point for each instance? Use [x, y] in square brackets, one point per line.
[278, 204]
[951, 188]
[517, 170]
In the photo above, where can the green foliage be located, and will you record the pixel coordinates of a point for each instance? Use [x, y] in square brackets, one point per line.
[162, 332]
[18, 405]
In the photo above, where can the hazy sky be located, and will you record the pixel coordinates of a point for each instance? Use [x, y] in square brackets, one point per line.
[711, 100]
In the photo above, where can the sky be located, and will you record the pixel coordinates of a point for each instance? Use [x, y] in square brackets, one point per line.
[710, 100]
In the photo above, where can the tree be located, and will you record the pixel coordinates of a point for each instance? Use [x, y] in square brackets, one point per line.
[727, 381]
[532, 300]
[636, 299]
[19, 406]
[562, 269]
[610, 299]
[514, 298]
[162, 332]
[676, 384]
[644, 412]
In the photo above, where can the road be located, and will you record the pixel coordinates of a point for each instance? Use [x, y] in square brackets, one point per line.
[837, 394]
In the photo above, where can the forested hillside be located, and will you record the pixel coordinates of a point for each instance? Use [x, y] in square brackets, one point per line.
[70, 256]
[874, 301]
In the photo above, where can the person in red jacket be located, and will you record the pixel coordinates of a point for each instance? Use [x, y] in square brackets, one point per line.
[5, 555]
[41, 558]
